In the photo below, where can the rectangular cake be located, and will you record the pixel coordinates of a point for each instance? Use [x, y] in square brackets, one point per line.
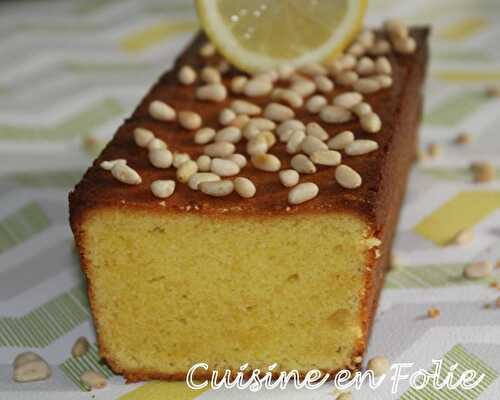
[229, 277]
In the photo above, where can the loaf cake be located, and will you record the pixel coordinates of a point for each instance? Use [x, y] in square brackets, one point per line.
[285, 275]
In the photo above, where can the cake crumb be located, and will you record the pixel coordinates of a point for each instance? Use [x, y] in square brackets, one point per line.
[483, 171]
[495, 285]
[379, 365]
[497, 302]
[463, 138]
[434, 150]
[493, 91]
[463, 237]
[433, 312]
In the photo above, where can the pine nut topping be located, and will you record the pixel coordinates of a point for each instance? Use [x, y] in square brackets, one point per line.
[161, 111]
[229, 134]
[266, 162]
[315, 103]
[278, 112]
[93, 380]
[200, 177]
[366, 85]
[302, 164]
[30, 367]
[156, 144]
[326, 157]
[108, 165]
[478, 270]
[285, 71]
[210, 75]
[238, 84]
[189, 120]
[223, 66]
[356, 49]
[396, 27]
[383, 66]
[207, 50]
[215, 92]
[268, 137]
[347, 177]
[185, 170]
[359, 147]
[226, 116]
[361, 109]
[313, 69]
[224, 167]
[311, 144]
[289, 177]
[27, 356]
[143, 136]
[204, 135]
[80, 347]
[245, 107]
[238, 159]
[347, 99]
[240, 121]
[316, 130]
[379, 365]
[371, 123]
[217, 189]
[286, 128]
[346, 78]
[180, 158]
[257, 145]
[365, 66]
[257, 125]
[292, 98]
[385, 81]
[335, 115]
[341, 140]
[204, 163]
[293, 145]
[347, 61]
[303, 87]
[380, 47]
[125, 174]
[161, 158]
[219, 149]
[366, 38]
[323, 84]
[163, 188]
[406, 45]
[258, 87]
[244, 187]
[186, 75]
[303, 192]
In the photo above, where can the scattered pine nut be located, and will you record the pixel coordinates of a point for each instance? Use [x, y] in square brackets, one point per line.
[161, 111]
[323, 84]
[179, 159]
[238, 84]
[303, 192]
[483, 171]
[269, 138]
[433, 312]
[293, 145]
[157, 144]
[204, 163]
[366, 38]
[186, 75]
[214, 92]
[361, 109]
[316, 130]
[210, 75]
[360, 147]
[143, 136]
[335, 115]
[341, 140]
[313, 69]
[186, 170]
[219, 149]
[286, 128]
[26, 357]
[366, 85]
[396, 28]
[217, 189]
[245, 107]
[258, 87]
[189, 120]
[478, 270]
[347, 78]
[326, 157]
[278, 112]
[266, 162]
[356, 49]
[315, 103]
[347, 61]
[379, 365]
[257, 145]
[365, 66]
[289, 177]
[204, 135]
[406, 45]
[302, 164]
[257, 125]
[463, 138]
[238, 159]
[244, 187]
[383, 66]
[125, 174]
[312, 144]
[229, 134]
[80, 347]
[93, 380]
[199, 177]
[347, 177]
[226, 116]
[371, 123]
[240, 121]
[303, 87]
[223, 167]
[288, 96]
[207, 50]
[108, 165]
[380, 47]
[385, 81]
[285, 71]
[347, 99]
[223, 66]
[497, 302]
[31, 368]
[161, 158]
[463, 237]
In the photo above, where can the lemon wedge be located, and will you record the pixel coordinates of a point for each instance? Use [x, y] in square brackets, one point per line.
[259, 35]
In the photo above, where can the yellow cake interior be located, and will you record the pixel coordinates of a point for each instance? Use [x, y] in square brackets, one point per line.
[173, 290]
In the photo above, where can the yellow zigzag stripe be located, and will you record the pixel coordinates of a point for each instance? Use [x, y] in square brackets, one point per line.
[163, 391]
[464, 29]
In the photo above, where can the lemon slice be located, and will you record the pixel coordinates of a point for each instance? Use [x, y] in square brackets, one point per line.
[257, 35]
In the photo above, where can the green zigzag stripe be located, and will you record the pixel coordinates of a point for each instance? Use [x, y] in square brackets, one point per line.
[465, 360]
[75, 366]
[46, 179]
[22, 225]
[427, 276]
[46, 323]
[81, 123]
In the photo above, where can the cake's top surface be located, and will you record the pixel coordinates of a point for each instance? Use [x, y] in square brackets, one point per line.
[98, 188]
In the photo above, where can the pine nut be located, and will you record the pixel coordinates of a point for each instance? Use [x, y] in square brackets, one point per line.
[207, 50]
[347, 78]
[347, 99]
[217, 189]
[463, 237]
[240, 121]
[379, 365]
[157, 144]
[463, 138]
[257, 87]
[335, 67]
[347, 177]
[289, 177]
[311, 144]
[200, 177]
[303, 192]
[269, 76]
[396, 28]
[189, 120]
[385, 81]
[143, 136]
[219, 149]
[238, 159]
[406, 45]
[26, 357]
[203, 162]
[380, 47]
[366, 85]
[303, 87]
[347, 61]
[433, 312]
[257, 145]
[293, 99]
[268, 137]
[316, 130]
[356, 49]
[224, 167]
[323, 84]
[215, 92]
[161, 158]
[210, 75]
[326, 157]
[179, 159]
[186, 75]
[238, 84]
[245, 107]
[341, 140]
[108, 165]
[93, 380]
[186, 170]
[125, 174]
[161, 111]
[244, 187]
[294, 143]
[226, 116]
[204, 135]
[315, 103]
[31, 370]
[478, 270]
[366, 38]
[223, 66]
[365, 66]
[335, 115]
[257, 125]
[360, 147]
[229, 134]
[361, 109]
[278, 112]
[286, 128]
[371, 122]
[162, 188]
[285, 71]
[313, 69]
[383, 66]
[266, 162]
[302, 164]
